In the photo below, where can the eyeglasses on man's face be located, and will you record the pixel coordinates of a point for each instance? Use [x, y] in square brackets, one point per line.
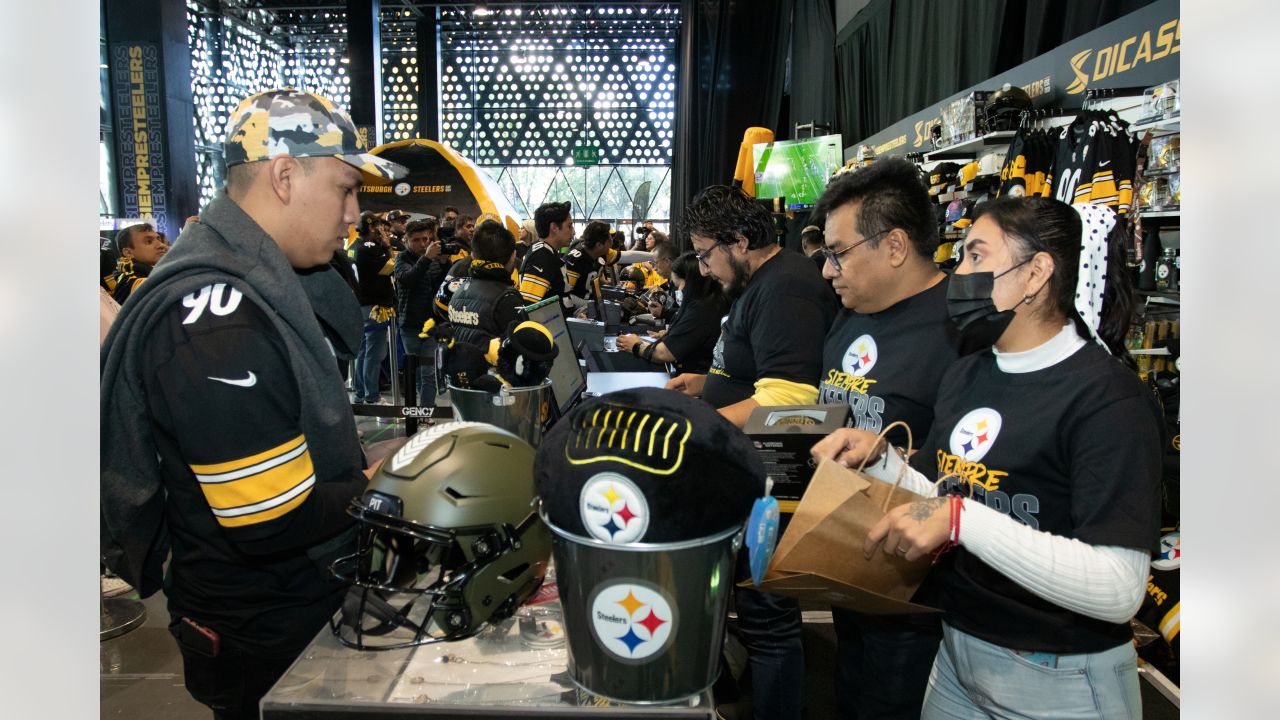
[833, 256]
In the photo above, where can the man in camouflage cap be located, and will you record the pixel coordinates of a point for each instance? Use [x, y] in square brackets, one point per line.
[227, 437]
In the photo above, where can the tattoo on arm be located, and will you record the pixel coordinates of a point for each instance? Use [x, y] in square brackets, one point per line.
[922, 510]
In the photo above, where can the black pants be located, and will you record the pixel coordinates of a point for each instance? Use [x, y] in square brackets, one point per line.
[884, 664]
[232, 683]
[770, 629]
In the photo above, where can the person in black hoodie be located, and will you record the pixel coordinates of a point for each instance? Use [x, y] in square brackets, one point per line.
[141, 247]
[418, 272]
[374, 261]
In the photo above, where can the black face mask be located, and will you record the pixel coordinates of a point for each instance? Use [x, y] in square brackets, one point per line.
[974, 313]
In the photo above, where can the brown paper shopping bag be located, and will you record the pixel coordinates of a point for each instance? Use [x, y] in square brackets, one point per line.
[820, 558]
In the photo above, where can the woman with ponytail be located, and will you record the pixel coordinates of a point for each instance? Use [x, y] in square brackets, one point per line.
[1048, 449]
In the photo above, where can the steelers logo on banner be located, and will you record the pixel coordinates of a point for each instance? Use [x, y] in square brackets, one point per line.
[613, 509]
[861, 356]
[632, 620]
[974, 435]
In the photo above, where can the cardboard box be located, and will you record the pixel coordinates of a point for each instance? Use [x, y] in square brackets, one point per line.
[784, 434]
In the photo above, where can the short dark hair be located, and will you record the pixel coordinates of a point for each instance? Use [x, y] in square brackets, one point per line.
[493, 243]
[666, 251]
[450, 209]
[368, 220]
[596, 233]
[425, 225]
[124, 238]
[892, 194]
[464, 219]
[811, 236]
[548, 213]
[722, 213]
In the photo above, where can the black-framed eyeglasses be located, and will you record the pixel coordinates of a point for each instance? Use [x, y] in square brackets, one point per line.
[702, 256]
[833, 256]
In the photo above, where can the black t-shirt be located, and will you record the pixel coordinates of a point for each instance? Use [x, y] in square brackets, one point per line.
[694, 332]
[244, 502]
[374, 262]
[887, 366]
[1073, 450]
[774, 330]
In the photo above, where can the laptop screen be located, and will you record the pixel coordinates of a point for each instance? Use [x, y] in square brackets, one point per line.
[567, 380]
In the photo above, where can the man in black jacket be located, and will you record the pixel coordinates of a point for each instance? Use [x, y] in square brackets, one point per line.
[228, 443]
[374, 261]
[486, 302]
[418, 272]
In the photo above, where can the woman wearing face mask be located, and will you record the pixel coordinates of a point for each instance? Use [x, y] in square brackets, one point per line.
[1060, 445]
[691, 337]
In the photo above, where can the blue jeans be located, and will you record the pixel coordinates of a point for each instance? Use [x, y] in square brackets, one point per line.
[425, 351]
[974, 679]
[883, 663]
[373, 349]
[770, 627]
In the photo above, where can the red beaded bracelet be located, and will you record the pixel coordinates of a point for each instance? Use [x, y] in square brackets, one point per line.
[955, 504]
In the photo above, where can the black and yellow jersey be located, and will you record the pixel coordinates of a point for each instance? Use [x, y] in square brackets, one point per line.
[128, 276]
[580, 268]
[1094, 163]
[542, 274]
[245, 502]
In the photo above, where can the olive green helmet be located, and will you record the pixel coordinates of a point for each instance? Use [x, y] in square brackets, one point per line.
[448, 541]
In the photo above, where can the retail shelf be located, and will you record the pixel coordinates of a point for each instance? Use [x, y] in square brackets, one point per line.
[969, 148]
[1162, 172]
[1165, 126]
[1160, 213]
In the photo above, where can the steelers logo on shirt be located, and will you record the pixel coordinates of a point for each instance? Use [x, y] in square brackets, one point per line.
[1170, 555]
[613, 509]
[861, 356]
[632, 620]
[974, 435]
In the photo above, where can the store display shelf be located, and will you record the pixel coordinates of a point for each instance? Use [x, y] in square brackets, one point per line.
[1163, 126]
[1175, 212]
[969, 148]
[1162, 172]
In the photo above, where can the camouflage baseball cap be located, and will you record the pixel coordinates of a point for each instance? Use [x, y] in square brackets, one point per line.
[301, 124]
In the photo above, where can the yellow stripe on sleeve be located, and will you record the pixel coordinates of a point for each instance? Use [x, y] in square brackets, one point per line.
[265, 515]
[232, 465]
[263, 486]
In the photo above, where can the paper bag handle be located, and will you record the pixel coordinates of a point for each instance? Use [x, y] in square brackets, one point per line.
[902, 471]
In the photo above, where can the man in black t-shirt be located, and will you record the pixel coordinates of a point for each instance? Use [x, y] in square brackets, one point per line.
[884, 357]
[769, 353]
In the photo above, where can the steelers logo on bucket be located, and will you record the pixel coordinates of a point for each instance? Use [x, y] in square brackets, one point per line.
[861, 356]
[613, 509]
[1170, 556]
[974, 435]
[631, 619]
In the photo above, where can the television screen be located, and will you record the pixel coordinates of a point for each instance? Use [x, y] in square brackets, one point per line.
[796, 170]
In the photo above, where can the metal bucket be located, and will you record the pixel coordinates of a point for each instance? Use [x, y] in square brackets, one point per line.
[520, 411]
[645, 621]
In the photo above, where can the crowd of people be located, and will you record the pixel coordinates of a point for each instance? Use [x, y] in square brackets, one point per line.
[1008, 372]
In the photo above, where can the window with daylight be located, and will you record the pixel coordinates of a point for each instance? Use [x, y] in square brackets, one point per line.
[238, 49]
[398, 28]
[523, 90]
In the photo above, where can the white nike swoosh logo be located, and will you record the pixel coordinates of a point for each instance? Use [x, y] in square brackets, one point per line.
[1104, 164]
[243, 382]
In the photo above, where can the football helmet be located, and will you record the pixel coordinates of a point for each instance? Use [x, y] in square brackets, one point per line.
[1005, 107]
[448, 540]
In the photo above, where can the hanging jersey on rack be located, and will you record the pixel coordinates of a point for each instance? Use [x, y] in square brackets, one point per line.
[1094, 162]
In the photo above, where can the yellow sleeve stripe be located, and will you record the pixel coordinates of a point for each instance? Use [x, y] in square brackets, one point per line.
[573, 277]
[776, 391]
[265, 515]
[1172, 623]
[262, 491]
[211, 473]
[386, 269]
[531, 289]
[534, 279]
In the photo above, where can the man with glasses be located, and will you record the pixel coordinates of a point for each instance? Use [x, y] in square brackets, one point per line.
[769, 353]
[884, 357]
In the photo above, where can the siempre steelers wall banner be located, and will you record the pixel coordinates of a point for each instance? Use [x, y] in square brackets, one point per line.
[139, 120]
[1141, 49]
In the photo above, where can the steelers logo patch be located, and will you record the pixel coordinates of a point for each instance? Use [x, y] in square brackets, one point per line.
[613, 509]
[632, 620]
[401, 189]
[861, 356]
[974, 435]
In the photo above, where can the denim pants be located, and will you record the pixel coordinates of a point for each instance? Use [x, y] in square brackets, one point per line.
[974, 679]
[373, 349]
[770, 628]
[883, 663]
[425, 350]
